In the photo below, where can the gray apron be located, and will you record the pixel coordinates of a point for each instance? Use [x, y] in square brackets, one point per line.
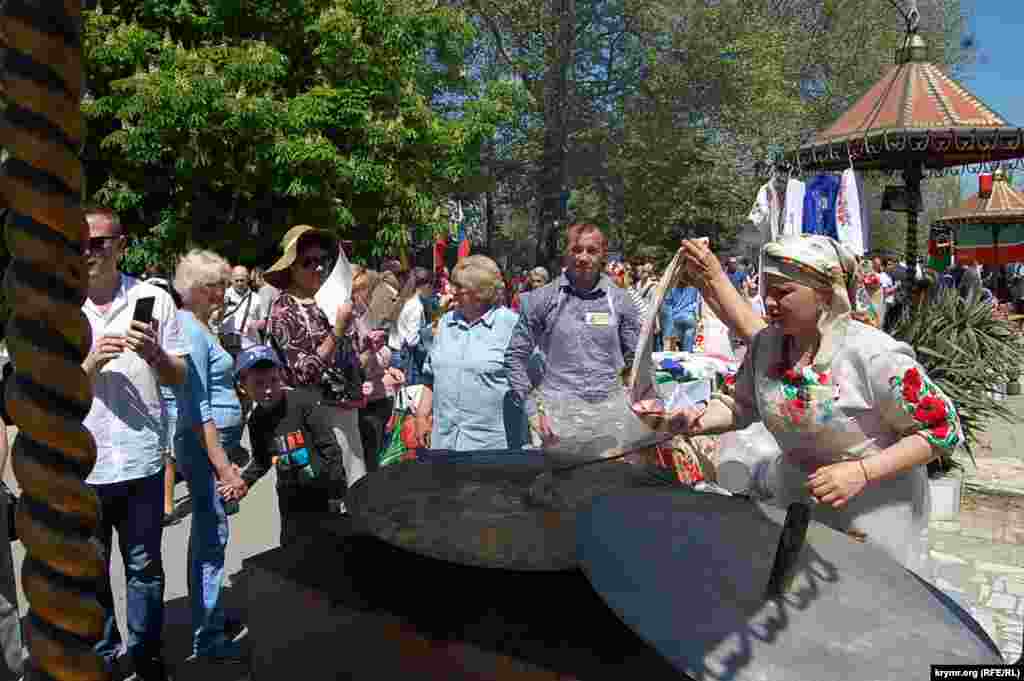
[577, 342]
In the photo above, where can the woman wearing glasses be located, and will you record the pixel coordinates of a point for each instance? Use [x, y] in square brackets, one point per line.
[309, 342]
[466, 405]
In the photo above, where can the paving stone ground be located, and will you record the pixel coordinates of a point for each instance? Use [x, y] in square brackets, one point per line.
[978, 558]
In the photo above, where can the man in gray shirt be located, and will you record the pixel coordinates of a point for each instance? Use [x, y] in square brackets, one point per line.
[587, 328]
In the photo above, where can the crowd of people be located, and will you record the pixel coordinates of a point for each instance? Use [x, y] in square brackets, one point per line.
[484, 361]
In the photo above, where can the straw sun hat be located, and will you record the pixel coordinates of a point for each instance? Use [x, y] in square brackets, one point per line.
[278, 275]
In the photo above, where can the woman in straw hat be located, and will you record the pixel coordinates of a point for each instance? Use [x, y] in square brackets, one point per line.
[310, 342]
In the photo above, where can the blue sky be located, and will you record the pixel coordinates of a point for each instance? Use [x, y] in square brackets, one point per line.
[998, 76]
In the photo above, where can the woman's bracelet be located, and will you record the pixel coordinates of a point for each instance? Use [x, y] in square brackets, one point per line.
[864, 470]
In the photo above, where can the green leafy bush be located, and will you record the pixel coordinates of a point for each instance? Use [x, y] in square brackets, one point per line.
[969, 353]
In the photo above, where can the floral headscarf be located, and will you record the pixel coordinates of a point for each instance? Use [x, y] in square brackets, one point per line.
[820, 263]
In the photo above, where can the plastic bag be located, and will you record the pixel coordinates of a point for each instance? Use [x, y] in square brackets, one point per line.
[400, 433]
[577, 420]
[748, 462]
[688, 395]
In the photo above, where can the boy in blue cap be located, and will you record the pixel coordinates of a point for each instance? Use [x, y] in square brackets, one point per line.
[288, 431]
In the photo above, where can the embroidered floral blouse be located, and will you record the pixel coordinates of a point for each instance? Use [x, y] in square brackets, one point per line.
[298, 329]
[874, 394]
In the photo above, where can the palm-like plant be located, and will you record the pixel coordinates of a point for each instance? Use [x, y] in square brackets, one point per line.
[969, 353]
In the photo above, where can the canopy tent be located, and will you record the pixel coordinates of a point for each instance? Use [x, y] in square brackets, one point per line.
[990, 244]
[989, 229]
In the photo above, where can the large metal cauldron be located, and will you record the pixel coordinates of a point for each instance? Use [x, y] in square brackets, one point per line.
[477, 509]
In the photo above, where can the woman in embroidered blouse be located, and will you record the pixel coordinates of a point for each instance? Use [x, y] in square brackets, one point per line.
[310, 342]
[856, 417]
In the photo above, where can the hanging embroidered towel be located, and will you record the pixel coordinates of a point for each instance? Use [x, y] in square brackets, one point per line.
[766, 214]
[760, 214]
[820, 206]
[793, 224]
[852, 225]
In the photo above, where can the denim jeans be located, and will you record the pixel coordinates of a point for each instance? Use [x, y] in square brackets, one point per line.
[685, 329]
[135, 508]
[207, 541]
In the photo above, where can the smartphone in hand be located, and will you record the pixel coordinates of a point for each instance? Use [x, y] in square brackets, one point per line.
[144, 310]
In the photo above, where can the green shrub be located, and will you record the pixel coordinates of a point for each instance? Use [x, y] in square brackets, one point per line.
[969, 353]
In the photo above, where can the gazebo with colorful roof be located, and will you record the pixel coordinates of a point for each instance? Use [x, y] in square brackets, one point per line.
[989, 229]
[915, 118]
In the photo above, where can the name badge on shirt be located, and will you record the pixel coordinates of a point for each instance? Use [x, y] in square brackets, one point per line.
[597, 319]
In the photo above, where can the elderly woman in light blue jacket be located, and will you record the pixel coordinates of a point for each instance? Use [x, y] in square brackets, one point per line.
[467, 391]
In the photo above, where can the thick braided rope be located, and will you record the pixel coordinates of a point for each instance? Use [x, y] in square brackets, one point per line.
[48, 336]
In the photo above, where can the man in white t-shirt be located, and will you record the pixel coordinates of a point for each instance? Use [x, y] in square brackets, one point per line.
[244, 313]
[128, 420]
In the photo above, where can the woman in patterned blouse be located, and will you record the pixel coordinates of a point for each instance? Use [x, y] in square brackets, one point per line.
[855, 415]
[309, 341]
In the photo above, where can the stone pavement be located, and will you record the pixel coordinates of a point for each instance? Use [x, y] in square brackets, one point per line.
[254, 529]
[978, 558]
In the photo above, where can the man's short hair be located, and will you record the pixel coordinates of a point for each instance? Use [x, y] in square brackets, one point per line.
[580, 228]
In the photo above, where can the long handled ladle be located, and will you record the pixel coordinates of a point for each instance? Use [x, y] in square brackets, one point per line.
[542, 489]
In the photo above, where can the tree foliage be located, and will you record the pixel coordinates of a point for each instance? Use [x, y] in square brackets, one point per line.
[216, 122]
[674, 102]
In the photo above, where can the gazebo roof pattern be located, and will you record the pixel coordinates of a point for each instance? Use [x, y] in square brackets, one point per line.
[1005, 205]
[912, 96]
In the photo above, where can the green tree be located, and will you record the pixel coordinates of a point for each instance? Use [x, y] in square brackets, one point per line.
[673, 103]
[217, 123]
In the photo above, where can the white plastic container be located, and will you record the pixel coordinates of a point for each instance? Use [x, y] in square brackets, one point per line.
[946, 494]
[749, 462]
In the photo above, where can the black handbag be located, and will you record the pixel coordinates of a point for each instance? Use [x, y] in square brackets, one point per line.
[343, 383]
[232, 342]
